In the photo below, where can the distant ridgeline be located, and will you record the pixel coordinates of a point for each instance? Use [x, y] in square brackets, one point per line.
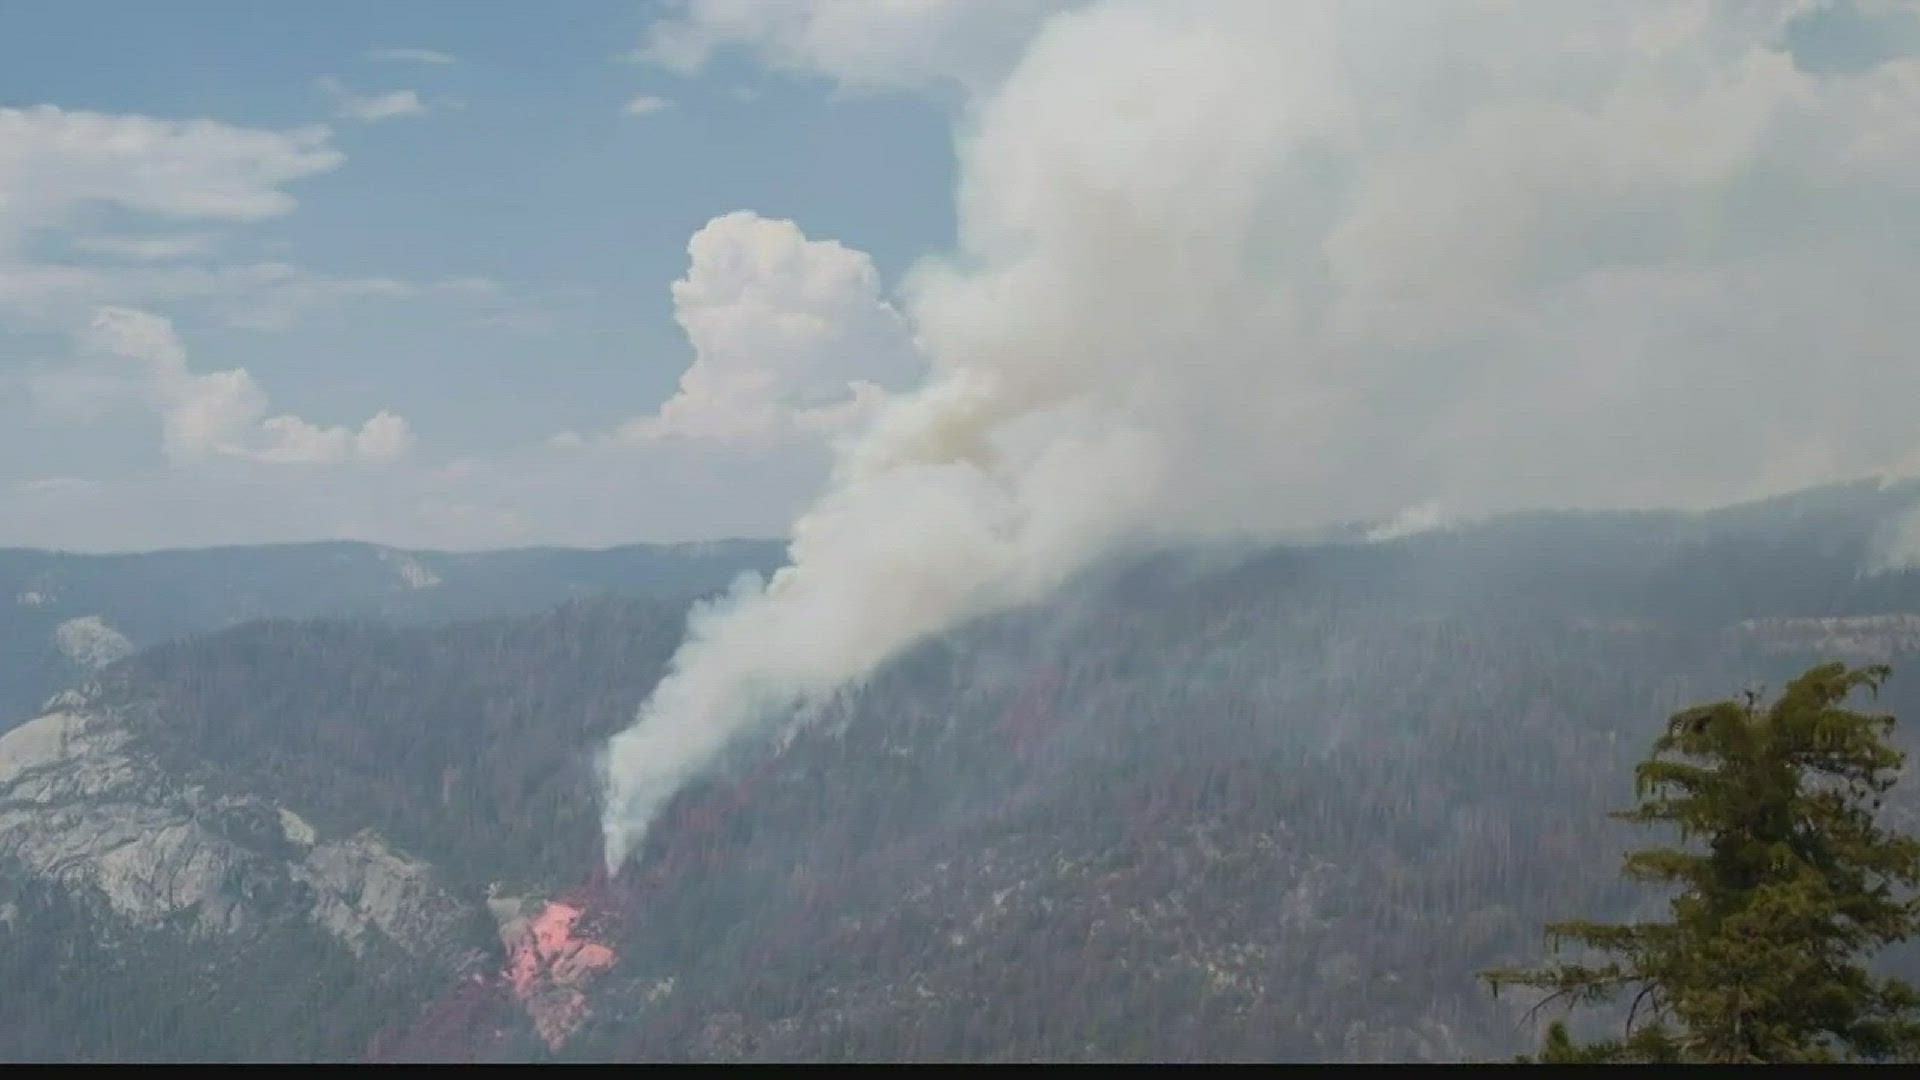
[63, 617]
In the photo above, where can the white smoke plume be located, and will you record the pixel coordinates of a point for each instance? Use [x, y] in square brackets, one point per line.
[1234, 267]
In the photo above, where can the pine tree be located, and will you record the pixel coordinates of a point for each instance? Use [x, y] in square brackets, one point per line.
[1784, 886]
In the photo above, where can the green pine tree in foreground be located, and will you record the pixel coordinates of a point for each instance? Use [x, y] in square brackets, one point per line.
[1785, 886]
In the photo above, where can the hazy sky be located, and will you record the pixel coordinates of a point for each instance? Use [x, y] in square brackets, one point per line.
[462, 275]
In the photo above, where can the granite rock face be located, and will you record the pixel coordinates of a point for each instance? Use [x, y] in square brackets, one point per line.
[82, 806]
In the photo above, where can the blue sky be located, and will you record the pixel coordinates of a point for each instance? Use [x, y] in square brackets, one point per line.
[536, 180]
[455, 275]
[524, 171]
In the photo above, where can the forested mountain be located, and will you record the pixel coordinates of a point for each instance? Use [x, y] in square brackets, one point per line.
[64, 615]
[1269, 804]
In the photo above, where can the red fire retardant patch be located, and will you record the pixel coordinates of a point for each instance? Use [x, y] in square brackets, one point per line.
[549, 966]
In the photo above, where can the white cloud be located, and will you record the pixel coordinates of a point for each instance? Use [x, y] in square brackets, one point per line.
[371, 108]
[224, 413]
[145, 248]
[58, 168]
[647, 103]
[415, 56]
[56, 163]
[53, 161]
[383, 439]
[790, 335]
[863, 43]
[289, 440]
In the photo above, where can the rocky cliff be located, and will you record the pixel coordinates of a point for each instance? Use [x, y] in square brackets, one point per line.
[82, 807]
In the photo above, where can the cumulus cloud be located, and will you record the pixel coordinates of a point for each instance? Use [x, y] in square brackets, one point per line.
[289, 440]
[371, 108]
[1240, 268]
[224, 413]
[857, 42]
[790, 336]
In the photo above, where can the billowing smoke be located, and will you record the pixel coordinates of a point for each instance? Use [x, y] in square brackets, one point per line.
[1233, 268]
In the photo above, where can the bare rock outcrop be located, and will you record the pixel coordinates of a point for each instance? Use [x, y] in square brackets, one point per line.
[83, 806]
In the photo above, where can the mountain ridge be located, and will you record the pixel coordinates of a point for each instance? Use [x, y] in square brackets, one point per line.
[1274, 803]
